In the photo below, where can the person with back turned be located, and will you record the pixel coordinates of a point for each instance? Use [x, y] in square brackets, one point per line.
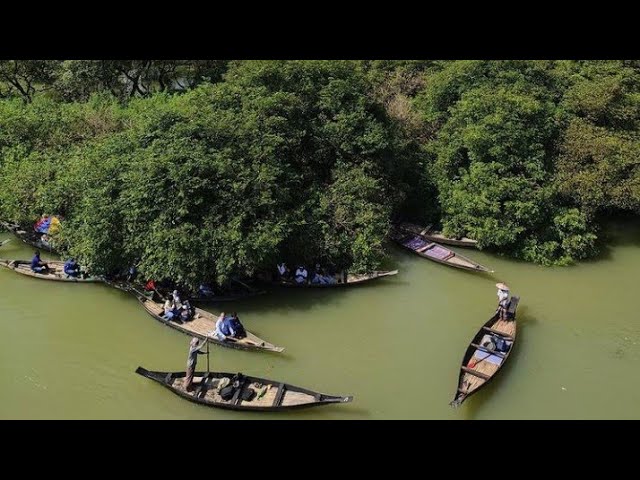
[192, 361]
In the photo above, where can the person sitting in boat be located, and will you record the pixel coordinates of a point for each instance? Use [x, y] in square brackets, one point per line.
[301, 274]
[229, 326]
[503, 300]
[176, 299]
[170, 310]
[205, 290]
[71, 268]
[42, 225]
[133, 272]
[38, 265]
[235, 326]
[283, 270]
[317, 278]
[328, 276]
[192, 361]
[218, 330]
[187, 311]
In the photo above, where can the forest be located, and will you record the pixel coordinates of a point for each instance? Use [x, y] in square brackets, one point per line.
[207, 170]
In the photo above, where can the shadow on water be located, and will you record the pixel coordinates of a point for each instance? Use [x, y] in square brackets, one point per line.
[289, 301]
[475, 403]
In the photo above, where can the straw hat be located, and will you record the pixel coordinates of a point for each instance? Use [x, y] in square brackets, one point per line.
[502, 286]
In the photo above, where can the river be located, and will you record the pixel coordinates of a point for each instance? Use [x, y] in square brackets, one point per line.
[69, 351]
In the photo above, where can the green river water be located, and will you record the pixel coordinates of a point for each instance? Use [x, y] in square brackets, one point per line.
[69, 351]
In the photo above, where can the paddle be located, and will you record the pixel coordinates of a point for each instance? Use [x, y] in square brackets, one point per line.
[475, 364]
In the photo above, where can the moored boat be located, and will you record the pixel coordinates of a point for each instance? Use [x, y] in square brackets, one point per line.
[55, 272]
[435, 252]
[350, 279]
[487, 353]
[250, 394]
[429, 233]
[203, 326]
[30, 238]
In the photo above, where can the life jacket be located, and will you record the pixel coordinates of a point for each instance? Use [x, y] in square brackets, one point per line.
[151, 285]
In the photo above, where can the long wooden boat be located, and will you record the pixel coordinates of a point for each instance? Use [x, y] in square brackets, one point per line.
[269, 396]
[481, 361]
[55, 273]
[435, 252]
[433, 235]
[350, 280]
[235, 293]
[30, 238]
[228, 297]
[203, 326]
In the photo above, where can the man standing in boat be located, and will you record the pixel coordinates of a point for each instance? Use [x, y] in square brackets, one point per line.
[192, 361]
[503, 300]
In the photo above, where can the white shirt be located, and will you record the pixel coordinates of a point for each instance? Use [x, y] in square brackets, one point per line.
[503, 297]
[301, 275]
[282, 269]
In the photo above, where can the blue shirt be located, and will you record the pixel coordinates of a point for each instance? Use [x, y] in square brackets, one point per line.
[35, 261]
[70, 266]
[227, 327]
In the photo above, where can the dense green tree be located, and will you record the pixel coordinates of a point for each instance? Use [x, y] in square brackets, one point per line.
[211, 169]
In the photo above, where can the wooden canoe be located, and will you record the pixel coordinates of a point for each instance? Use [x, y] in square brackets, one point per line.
[433, 235]
[229, 297]
[351, 280]
[56, 271]
[271, 396]
[30, 238]
[231, 293]
[203, 326]
[481, 364]
[436, 252]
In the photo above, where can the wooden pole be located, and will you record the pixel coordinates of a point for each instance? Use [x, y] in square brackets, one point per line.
[208, 358]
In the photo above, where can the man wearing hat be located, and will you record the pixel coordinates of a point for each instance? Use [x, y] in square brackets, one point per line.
[503, 299]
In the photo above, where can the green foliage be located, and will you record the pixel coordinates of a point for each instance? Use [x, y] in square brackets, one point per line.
[282, 161]
[210, 169]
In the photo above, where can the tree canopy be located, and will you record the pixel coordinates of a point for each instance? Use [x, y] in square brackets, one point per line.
[205, 170]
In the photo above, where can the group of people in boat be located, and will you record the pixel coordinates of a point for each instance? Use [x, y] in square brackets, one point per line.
[71, 267]
[228, 326]
[47, 227]
[318, 275]
[176, 310]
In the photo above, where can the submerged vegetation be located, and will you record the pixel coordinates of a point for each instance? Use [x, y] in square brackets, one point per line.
[208, 170]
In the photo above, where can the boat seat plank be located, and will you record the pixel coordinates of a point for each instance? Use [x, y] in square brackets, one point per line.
[475, 373]
[279, 395]
[499, 333]
[492, 352]
[426, 247]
